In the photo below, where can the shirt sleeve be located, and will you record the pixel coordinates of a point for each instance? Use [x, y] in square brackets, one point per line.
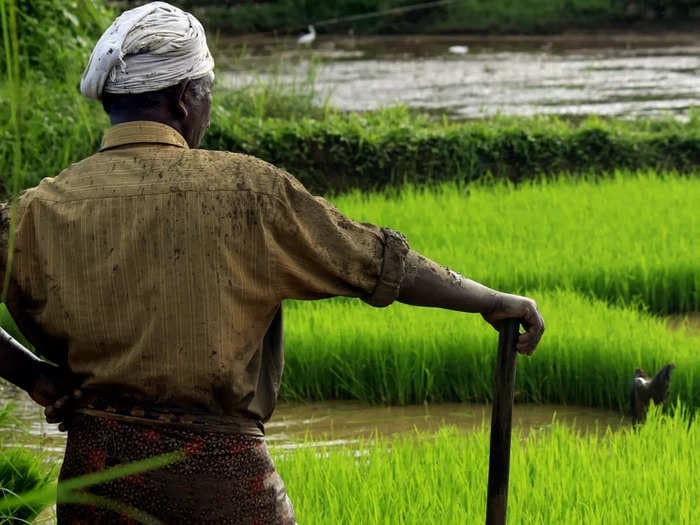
[318, 252]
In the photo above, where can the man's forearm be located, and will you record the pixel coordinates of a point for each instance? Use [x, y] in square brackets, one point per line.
[17, 364]
[429, 284]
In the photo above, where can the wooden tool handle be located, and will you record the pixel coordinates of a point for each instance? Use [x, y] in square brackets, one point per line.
[501, 420]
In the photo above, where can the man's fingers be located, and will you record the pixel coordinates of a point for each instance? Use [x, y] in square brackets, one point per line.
[528, 341]
[56, 412]
[52, 415]
[525, 344]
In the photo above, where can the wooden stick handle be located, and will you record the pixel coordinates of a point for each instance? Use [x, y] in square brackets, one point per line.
[501, 421]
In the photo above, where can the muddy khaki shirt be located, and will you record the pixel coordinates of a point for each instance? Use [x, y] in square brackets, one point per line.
[163, 268]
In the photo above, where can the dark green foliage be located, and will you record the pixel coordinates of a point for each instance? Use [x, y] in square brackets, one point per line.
[44, 123]
[57, 125]
[475, 16]
[57, 35]
[390, 147]
[293, 16]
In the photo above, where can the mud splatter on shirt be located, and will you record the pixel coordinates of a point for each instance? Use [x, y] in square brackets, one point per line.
[163, 268]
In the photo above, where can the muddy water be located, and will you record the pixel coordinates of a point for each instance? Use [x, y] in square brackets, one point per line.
[627, 76]
[689, 322]
[339, 423]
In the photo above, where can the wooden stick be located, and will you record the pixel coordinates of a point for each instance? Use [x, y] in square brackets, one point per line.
[501, 420]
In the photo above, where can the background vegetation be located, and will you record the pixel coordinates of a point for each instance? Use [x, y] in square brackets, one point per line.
[459, 16]
[387, 148]
[44, 122]
[288, 125]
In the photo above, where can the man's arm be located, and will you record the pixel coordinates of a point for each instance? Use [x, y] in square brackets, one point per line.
[320, 253]
[18, 365]
[46, 384]
[427, 283]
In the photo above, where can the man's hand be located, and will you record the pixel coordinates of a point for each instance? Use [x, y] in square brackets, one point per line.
[52, 389]
[508, 306]
[49, 385]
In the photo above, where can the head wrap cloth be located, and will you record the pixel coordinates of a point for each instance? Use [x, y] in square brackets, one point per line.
[146, 49]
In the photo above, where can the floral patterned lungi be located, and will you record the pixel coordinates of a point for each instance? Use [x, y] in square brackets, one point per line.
[224, 478]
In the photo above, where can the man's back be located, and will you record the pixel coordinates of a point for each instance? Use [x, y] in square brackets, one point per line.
[164, 267]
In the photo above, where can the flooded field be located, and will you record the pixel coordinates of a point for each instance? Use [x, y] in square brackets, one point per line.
[625, 76]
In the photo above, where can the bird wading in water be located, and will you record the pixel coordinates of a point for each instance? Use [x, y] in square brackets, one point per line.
[308, 38]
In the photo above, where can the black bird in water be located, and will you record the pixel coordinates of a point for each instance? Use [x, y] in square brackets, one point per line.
[644, 389]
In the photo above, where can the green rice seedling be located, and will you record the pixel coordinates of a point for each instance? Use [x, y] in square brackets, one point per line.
[28, 497]
[628, 238]
[343, 349]
[558, 475]
[21, 472]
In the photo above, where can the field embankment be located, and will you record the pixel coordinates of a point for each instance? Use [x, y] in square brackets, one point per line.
[335, 152]
[387, 148]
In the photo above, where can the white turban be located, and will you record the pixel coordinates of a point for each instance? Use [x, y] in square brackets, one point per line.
[146, 49]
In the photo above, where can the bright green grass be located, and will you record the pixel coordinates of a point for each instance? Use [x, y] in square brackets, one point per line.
[557, 477]
[21, 472]
[623, 238]
[403, 354]
[626, 239]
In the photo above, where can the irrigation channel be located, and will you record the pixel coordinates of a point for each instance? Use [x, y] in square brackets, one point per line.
[624, 75]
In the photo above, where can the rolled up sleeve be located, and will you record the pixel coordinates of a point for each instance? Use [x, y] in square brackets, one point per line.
[319, 252]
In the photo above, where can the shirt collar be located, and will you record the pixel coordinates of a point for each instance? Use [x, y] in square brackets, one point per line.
[142, 131]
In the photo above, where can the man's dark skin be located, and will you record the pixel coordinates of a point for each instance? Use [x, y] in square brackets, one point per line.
[186, 108]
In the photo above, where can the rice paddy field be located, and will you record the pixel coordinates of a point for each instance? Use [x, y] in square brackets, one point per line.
[604, 258]
[558, 476]
[607, 259]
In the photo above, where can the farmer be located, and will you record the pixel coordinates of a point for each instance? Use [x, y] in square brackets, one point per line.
[152, 273]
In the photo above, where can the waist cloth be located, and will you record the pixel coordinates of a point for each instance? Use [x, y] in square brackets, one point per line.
[222, 477]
